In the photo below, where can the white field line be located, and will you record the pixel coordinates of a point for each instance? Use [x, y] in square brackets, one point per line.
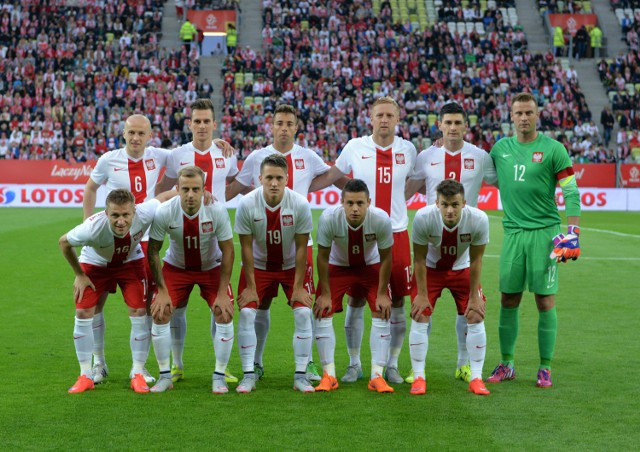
[602, 231]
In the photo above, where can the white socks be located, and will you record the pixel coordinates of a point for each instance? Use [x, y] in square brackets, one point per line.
[83, 341]
[461, 332]
[99, 328]
[302, 338]
[418, 347]
[161, 338]
[247, 338]
[326, 343]
[379, 342]
[477, 347]
[398, 329]
[353, 330]
[178, 333]
[262, 324]
[222, 344]
[139, 341]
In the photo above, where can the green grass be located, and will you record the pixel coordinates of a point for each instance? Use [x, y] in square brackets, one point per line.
[593, 405]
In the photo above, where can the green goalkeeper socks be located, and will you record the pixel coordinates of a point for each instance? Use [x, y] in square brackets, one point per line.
[547, 332]
[508, 331]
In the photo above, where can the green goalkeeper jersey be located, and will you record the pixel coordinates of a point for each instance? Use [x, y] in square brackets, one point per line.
[527, 176]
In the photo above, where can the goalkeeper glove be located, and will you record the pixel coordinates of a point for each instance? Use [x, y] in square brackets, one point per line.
[567, 247]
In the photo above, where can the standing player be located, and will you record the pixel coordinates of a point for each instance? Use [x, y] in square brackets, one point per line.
[200, 252]
[354, 254]
[469, 165]
[303, 165]
[273, 223]
[111, 255]
[449, 239]
[218, 169]
[529, 166]
[384, 162]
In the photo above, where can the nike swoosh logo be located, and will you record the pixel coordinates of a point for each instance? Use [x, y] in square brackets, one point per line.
[97, 326]
[174, 227]
[140, 340]
[257, 219]
[385, 335]
[246, 346]
[338, 236]
[480, 346]
[415, 345]
[303, 338]
[435, 163]
[77, 337]
[119, 169]
[506, 155]
[226, 340]
[184, 163]
[396, 323]
[367, 157]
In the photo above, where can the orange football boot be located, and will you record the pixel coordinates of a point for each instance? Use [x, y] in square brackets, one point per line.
[83, 384]
[328, 383]
[138, 384]
[378, 384]
[419, 386]
[477, 387]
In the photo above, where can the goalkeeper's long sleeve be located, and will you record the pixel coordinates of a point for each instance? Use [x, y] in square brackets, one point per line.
[571, 196]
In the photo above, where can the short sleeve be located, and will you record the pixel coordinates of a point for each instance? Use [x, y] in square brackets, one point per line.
[419, 232]
[418, 172]
[245, 175]
[490, 176]
[233, 162]
[343, 162]
[481, 237]
[304, 225]
[171, 170]
[223, 231]
[324, 235]
[318, 165]
[101, 171]
[159, 226]
[243, 217]
[385, 234]
[81, 234]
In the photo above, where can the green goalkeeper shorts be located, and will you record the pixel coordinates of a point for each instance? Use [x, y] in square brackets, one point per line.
[525, 261]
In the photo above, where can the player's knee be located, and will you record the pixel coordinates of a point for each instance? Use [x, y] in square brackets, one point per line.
[137, 312]
[397, 302]
[356, 302]
[511, 300]
[474, 317]
[421, 318]
[85, 313]
[222, 317]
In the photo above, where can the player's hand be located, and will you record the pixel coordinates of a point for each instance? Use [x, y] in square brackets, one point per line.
[301, 296]
[383, 305]
[567, 247]
[226, 148]
[418, 305]
[322, 307]
[162, 308]
[224, 306]
[80, 283]
[476, 305]
[248, 296]
[208, 198]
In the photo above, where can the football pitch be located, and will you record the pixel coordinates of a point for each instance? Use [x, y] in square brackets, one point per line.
[594, 404]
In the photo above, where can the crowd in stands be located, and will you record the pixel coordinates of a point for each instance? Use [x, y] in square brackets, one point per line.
[331, 59]
[70, 75]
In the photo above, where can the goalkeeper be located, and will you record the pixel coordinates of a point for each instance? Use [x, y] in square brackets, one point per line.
[529, 166]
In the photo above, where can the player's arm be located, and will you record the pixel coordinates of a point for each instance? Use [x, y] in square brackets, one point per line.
[225, 147]
[421, 301]
[323, 302]
[165, 184]
[568, 247]
[89, 198]
[413, 186]
[234, 189]
[299, 293]
[167, 195]
[81, 281]
[250, 293]
[475, 307]
[329, 178]
[162, 302]
[383, 302]
[223, 302]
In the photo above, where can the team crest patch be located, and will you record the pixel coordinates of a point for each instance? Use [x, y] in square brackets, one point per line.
[219, 163]
[537, 157]
[468, 164]
[299, 164]
[138, 236]
[287, 220]
[369, 237]
[207, 227]
[465, 238]
[150, 164]
[399, 159]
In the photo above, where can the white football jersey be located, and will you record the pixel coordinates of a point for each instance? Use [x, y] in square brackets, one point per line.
[469, 166]
[449, 247]
[193, 240]
[384, 170]
[215, 166]
[116, 169]
[102, 247]
[274, 228]
[354, 247]
[304, 165]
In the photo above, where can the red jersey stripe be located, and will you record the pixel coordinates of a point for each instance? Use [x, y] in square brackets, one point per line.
[356, 248]
[452, 166]
[121, 248]
[205, 163]
[191, 243]
[384, 179]
[138, 180]
[289, 171]
[448, 249]
[275, 258]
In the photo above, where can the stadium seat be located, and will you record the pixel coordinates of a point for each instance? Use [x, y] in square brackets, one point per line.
[473, 120]
[432, 118]
[248, 77]
[506, 127]
[568, 134]
[630, 88]
[426, 142]
[635, 152]
[239, 78]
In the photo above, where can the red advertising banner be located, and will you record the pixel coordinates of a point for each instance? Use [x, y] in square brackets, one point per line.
[488, 199]
[212, 20]
[630, 173]
[573, 22]
[601, 175]
[44, 172]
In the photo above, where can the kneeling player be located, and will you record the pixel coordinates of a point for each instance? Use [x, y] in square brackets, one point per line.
[273, 223]
[354, 254]
[200, 252]
[450, 238]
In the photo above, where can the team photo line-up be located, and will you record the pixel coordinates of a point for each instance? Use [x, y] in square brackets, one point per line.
[363, 248]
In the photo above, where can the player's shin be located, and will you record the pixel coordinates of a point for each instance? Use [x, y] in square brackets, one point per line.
[418, 347]
[139, 341]
[547, 332]
[161, 338]
[508, 332]
[99, 328]
[247, 338]
[461, 333]
[222, 344]
[263, 323]
[477, 348]
[178, 334]
[83, 341]
[398, 330]
[380, 339]
[326, 342]
[302, 338]
[354, 330]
